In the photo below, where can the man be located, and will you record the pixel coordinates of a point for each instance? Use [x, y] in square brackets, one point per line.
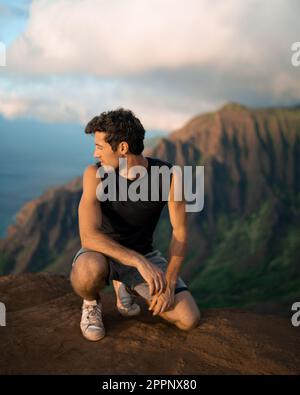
[116, 234]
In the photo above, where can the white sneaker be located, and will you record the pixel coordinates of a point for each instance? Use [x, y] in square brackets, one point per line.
[91, 323]
[125, 302]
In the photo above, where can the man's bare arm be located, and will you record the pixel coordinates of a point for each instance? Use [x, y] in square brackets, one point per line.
[165, 301]
[90, 220]
[178, 244]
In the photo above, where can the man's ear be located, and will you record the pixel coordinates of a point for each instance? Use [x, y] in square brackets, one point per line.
[123, 148]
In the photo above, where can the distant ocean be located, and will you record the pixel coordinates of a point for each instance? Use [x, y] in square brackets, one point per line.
[35, 156]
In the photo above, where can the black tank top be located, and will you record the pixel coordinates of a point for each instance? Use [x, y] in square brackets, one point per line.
[132, 223]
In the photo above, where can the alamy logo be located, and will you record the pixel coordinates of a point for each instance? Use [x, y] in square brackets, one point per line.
[159, 188]
[296, 55]
[2, 314]
[2, 54]
[296, 316]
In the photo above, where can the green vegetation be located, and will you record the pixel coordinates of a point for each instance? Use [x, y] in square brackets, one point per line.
[253, 260]
[6, 263]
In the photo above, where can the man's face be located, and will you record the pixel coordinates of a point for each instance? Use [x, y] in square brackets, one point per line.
[104, 152]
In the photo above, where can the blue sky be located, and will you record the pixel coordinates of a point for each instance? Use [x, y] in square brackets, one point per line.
[68, 60]
[13, 18]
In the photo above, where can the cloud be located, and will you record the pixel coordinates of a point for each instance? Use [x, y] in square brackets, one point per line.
[122, 37]
[13, 16]
[166, 61]
[162, 99]
[117, 37]
[78, 99]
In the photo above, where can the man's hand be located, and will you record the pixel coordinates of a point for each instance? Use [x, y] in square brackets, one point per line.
[164, 301]
[153, 276]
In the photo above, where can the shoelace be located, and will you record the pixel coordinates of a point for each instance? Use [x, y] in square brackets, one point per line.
[94, 314]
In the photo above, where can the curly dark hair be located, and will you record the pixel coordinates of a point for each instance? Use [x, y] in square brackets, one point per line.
[119, 125]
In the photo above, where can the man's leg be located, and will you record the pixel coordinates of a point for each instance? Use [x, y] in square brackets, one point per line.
[184, 313]
[88, 275]
[125, 301]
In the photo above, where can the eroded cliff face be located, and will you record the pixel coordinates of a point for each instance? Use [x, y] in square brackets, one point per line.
[249, 227]
[249, 155]
[46, 231]
[251, 216]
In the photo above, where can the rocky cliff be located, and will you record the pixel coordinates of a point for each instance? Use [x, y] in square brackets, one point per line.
[45, 234]
[42, 336]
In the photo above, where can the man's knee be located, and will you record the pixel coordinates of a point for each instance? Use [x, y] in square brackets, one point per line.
[89, 270]
[186, 314]
[189, 321]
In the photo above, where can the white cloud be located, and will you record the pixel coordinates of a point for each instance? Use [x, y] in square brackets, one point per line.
[75, 99]
[165, 60]
[103, 37]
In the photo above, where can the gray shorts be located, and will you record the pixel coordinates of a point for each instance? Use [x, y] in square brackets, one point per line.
[131, 276]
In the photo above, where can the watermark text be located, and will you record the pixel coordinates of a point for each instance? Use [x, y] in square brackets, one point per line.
[296, 315]
[296, 54]
[2, 314]
[187, 185]
[2, 54]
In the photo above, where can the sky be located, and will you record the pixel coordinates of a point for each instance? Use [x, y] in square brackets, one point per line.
[167, 61]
